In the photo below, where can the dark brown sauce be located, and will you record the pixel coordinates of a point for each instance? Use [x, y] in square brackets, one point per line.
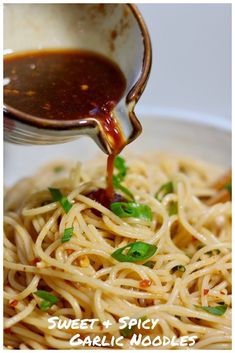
[62, 85]
[67, 85]
[101, 196]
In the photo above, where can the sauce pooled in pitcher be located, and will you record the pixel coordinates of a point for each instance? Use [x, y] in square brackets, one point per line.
[68, 85]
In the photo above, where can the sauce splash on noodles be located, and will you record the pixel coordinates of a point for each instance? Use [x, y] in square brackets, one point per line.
[68, 85]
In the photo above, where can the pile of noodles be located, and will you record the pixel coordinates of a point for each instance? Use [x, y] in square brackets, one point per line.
[89, 282]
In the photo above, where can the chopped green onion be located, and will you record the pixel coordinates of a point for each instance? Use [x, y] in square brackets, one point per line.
[58, 169]
[46, 296]
[65, 204]
[58, 197]
[120, 165]
[45, 305]
[56, 194]
[68, 232]
[149, 264]
[126, 191]
[216, 310]
[228, 187]
[213, 252]
[143, 318]
[172, 208]
[119, 186]
[179, 268]
[134, 252]
[116, 181]
[127, 332]
[48, 299]
[165, 189]
[132, 209]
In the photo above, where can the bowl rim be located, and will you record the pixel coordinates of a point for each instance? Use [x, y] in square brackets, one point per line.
[188, 116]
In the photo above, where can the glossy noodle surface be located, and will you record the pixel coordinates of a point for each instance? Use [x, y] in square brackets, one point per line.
[189, 270]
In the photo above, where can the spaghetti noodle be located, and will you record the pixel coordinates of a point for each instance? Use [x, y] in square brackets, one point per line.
[52, 253]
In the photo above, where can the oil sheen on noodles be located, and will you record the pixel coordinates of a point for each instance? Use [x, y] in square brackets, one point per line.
[90, 283]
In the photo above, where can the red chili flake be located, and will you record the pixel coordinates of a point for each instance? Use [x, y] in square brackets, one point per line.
[145, 283]
[76, 262]
[222, 292]
[35, 261]
[13, 303]
[7, 330]
[194, 239]
[206, 291]
[69, 251]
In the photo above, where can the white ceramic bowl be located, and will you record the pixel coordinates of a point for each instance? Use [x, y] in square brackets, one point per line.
[199, 138]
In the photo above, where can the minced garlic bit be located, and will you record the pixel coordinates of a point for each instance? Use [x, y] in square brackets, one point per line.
[41, 264]
[84, 87]
[84, 261]
[11, 91]
[30, 93]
